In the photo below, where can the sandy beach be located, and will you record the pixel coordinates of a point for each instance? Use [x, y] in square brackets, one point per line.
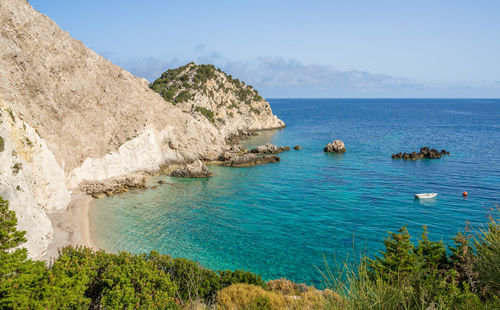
[71, 227]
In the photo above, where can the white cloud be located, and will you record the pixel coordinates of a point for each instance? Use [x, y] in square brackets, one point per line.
[279, 77]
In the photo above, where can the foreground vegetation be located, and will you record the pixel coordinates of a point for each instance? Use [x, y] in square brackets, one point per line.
[424, 275]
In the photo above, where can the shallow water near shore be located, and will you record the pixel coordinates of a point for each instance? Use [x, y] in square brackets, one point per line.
[280, 219]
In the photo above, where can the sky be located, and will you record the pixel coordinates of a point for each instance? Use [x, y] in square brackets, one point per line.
[308, 49]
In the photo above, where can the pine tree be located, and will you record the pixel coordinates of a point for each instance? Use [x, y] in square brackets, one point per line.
[431, 254]
[10, 237]
[397, 259]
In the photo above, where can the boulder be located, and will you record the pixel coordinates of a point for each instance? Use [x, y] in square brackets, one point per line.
[196, 169]
[297, 148]
[425, 152]
[414, 155]
[269, 149]
[397, 156]
[336, 146]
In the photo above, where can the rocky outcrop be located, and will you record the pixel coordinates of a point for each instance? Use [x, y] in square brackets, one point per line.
[424, 152]
[297, 148]
[250, 159]
[196, 169]
[115, 185]
[240, 135]
[269, 149]
[227, 103]
[73, 121]
[336, 146]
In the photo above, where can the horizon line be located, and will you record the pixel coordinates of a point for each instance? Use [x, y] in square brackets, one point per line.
[392, 98]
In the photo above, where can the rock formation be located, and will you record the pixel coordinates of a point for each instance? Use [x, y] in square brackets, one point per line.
[424, 152]
[227, 103]
[71, 120]
[269, 149]
[115, 185]
[297, 148]
[250, 159]
[336, 146]
[196, 169]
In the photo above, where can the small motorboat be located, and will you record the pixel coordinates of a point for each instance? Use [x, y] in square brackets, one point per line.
[425, 195]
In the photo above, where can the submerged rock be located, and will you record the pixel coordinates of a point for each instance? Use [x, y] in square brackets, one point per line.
[269, 149]
[336, 146]
[249, 160]
[424, 152]
[196, 169]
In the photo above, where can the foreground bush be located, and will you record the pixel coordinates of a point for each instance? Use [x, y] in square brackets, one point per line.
[81, 278]
[425, 275]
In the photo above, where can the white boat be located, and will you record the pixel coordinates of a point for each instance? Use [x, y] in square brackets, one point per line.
[425, 195]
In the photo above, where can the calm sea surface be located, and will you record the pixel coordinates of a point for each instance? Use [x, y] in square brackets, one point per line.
[280, 220]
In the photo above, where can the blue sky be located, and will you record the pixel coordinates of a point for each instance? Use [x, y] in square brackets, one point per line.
[302, 48]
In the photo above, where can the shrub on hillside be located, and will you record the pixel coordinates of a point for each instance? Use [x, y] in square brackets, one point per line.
[229, 277]
[209, 114]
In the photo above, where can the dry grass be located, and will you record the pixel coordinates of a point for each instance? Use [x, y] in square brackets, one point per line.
[279, 294]
[246, 296]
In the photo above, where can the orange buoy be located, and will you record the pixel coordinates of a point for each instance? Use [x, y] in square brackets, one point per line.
[465, 194]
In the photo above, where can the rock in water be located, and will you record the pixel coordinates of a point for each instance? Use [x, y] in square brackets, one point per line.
[269, 149]
[297, 148]
[336, 146]
[424, 152]
[249, 160]
[196, 169]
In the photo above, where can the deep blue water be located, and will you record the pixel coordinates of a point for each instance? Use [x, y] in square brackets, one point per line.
[279, 220]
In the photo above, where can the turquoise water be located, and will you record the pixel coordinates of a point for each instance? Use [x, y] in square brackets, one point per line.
[279, 220]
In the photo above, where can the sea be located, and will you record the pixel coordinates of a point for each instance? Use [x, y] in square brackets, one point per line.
[313, 209]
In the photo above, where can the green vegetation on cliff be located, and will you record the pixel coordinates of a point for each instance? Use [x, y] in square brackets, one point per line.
[184, 83]
[404, 276]
[209, 114]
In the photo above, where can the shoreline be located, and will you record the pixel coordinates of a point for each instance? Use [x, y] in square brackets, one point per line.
[71, 227]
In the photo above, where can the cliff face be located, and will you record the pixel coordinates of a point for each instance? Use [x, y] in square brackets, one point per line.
[69, 115]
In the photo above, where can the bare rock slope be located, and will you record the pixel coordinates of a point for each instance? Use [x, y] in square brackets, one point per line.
[69, 116]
